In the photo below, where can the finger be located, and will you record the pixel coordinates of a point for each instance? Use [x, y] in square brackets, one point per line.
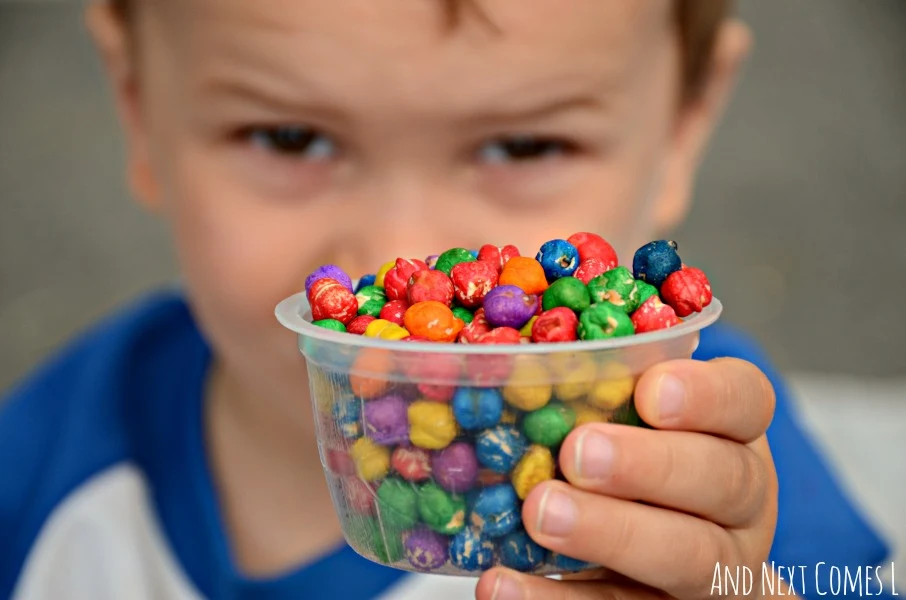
[504, 584]
[661, 548]
[726, 397]
[722, 481]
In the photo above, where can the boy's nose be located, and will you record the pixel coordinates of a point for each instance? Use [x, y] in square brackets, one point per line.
[405, 220]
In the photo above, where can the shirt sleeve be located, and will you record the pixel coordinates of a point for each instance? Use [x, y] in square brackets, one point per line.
[819, 526]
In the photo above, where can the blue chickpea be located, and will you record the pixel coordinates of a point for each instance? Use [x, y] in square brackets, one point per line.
[496, 510]
[566, 563]
[655, 261]
[558, 258]
[474, 254]
[477, 408]
[347, 414]
[470, 551]
[364, 281]
[518, 551]
[500, 448]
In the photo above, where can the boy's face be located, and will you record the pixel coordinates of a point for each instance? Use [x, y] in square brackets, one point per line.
[278, 135]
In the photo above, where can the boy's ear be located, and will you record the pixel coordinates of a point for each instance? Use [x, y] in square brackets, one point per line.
[111, 36]
[697, 118]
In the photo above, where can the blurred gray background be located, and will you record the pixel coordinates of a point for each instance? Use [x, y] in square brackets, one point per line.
[800, 216]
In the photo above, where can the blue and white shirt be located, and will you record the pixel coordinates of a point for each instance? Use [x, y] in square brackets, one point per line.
[106, 492]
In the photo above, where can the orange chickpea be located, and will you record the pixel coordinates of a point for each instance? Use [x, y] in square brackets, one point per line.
[524, 272]
[432, 320]
[369, 364]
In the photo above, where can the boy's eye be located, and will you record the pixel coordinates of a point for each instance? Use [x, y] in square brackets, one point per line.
[523, 148]
[293, 142]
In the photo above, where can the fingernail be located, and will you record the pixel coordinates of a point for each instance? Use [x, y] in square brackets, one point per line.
[506, 588]
[557, 513]
[671, 395]
[594, 455]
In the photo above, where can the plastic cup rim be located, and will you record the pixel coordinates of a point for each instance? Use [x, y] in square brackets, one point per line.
[292, 313]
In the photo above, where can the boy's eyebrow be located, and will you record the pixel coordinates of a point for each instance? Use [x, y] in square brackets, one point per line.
[541, 110]
[245, 91]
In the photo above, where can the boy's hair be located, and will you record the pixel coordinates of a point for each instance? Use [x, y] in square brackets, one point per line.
[698, 22]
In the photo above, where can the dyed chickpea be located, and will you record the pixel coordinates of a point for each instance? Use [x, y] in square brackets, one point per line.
[575, 374]
[430, 285]
[520, 552]
[525, 273]
[687, 291]
[535, 466]
[613, 388]
[495, 511]
[331, 324]
[367, 376]
[382, 273]
[472, 281]
[501, 335]
[567, 292]
[455, 468]
[441, 371]
[371, 299]
[588, 414]
[463, 313]
[377, 327]
[328, 272]
[644, 291]
[616, 287]
[440, 510]
[372, 461]
[592, 245]
[412, 463]
[509, 306]
[365, 281]
[484, 370]
[449, 259]
[339, 462]
[329, 299]
[358, 325]
[529, 386]
[431, 425]
[498, 256]
[654, 315]
[603, 321]
[526, 331]
[591, 268]
[397, 503]
[396, 282]
[555, 325]
[477, 408]
[432, 320]
[474, 330]
[549, 425]
[359, 495]
[426, 550]
[500, 448]
[394, 311]
[558, 258]
[655, 261]
[470, 551]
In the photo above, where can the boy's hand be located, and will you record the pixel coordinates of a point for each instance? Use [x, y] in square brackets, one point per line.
[659, 509]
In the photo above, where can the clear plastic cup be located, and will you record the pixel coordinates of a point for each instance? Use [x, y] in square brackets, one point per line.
[419, 476]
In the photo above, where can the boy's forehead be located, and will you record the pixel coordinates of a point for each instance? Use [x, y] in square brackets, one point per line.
[506, 42]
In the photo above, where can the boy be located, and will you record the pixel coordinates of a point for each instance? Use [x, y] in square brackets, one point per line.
[171, 454]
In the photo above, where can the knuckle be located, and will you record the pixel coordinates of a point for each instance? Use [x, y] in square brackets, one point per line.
[704, 551]
[621, 537]
[669, 473]
[748, 483]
